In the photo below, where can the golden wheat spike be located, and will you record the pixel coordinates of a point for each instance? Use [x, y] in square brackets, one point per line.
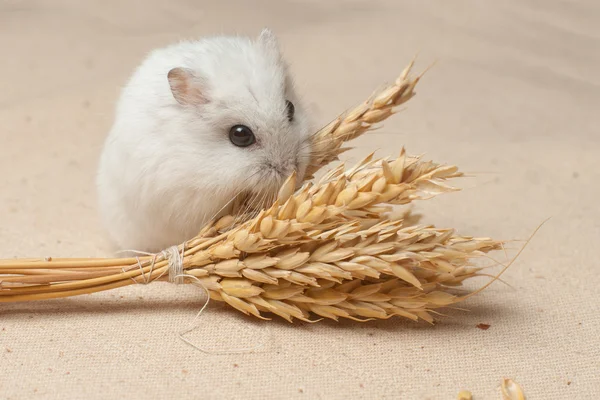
[327, 142]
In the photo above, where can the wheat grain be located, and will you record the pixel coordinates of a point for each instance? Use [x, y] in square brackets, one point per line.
[511, 390]
[464, 395]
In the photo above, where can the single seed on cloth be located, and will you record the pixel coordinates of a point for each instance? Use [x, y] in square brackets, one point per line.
[511, 390]
[464, 395]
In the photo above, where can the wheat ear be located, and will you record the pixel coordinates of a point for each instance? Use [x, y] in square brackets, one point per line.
[327, 142]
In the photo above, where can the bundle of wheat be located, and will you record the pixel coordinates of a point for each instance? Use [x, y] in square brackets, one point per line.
[331, 248]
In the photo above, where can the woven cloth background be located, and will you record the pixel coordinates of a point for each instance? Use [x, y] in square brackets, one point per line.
[514, 97]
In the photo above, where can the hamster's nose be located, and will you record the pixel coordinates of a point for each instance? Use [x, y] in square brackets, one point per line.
[283, 168]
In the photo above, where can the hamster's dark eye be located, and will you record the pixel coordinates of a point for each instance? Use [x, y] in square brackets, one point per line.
[290, 110]
[241, 136]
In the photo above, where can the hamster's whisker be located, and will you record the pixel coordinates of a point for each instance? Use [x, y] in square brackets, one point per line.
[242, 215]
[249, 205]
[263, 200]
[255, 204]
[233, 198]
[268, 198]
[254, 200]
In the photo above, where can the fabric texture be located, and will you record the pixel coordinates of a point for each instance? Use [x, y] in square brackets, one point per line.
[513, 99]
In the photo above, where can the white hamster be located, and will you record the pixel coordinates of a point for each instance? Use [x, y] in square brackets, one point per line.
[197, 123]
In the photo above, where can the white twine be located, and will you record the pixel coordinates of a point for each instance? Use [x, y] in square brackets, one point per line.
[175, 259]
[146, 279]
[175, 265]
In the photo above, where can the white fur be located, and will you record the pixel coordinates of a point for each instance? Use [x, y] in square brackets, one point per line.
[167, 169]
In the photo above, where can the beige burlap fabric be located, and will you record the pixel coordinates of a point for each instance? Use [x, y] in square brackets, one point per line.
[514, 97]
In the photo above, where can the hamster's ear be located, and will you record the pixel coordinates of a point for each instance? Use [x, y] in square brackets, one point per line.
[269, 41]
[186, 87]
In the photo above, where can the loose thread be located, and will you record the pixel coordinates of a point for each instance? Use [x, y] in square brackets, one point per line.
[197, 282]
[146, 280]
[177, 275]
